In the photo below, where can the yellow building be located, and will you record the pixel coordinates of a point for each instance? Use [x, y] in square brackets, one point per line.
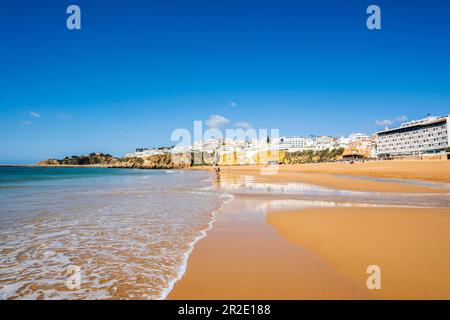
[249, 158]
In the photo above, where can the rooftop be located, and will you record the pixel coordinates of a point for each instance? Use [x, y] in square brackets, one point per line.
[417, 123]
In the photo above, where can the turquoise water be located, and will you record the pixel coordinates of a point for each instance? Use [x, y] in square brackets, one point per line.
[129, 232]
[29, 174]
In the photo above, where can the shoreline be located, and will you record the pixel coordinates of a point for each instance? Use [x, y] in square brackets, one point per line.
[90, 167]
[183, 268]
[132, 243]
[412, 170]
[243, 258]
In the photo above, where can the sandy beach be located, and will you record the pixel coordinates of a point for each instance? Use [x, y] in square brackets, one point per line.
[409, 245]
[269, 246]
[429, 170]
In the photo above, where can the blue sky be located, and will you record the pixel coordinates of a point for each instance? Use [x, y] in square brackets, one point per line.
[140, 69]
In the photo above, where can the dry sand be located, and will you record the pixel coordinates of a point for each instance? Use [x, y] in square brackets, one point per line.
[427, 170]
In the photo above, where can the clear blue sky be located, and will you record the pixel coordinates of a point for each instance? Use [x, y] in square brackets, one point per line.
[139, 69]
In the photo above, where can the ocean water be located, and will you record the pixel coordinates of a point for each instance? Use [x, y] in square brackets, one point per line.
[90, 233]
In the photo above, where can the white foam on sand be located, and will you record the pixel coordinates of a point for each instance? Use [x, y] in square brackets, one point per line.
[203, 233]
[131, 237]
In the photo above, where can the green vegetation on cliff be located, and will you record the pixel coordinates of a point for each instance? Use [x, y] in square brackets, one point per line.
[314, 156]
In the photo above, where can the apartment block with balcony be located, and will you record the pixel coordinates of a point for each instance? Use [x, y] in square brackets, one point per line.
[425, 136]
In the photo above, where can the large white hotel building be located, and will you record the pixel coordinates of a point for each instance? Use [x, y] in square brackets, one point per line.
[429, 135]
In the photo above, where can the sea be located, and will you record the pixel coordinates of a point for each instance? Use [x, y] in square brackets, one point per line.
[100, 233]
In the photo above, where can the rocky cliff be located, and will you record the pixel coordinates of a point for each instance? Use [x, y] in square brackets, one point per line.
[164, 161]
[93, 159]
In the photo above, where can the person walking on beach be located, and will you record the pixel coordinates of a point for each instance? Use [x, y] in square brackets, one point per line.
[217, 171]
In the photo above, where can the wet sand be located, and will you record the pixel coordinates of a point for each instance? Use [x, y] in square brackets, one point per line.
[242, 257]
[320, 253]
[334, 175]
[410, 245]
[258, 252]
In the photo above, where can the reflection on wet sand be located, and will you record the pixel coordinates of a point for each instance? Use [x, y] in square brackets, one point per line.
[248, 184]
